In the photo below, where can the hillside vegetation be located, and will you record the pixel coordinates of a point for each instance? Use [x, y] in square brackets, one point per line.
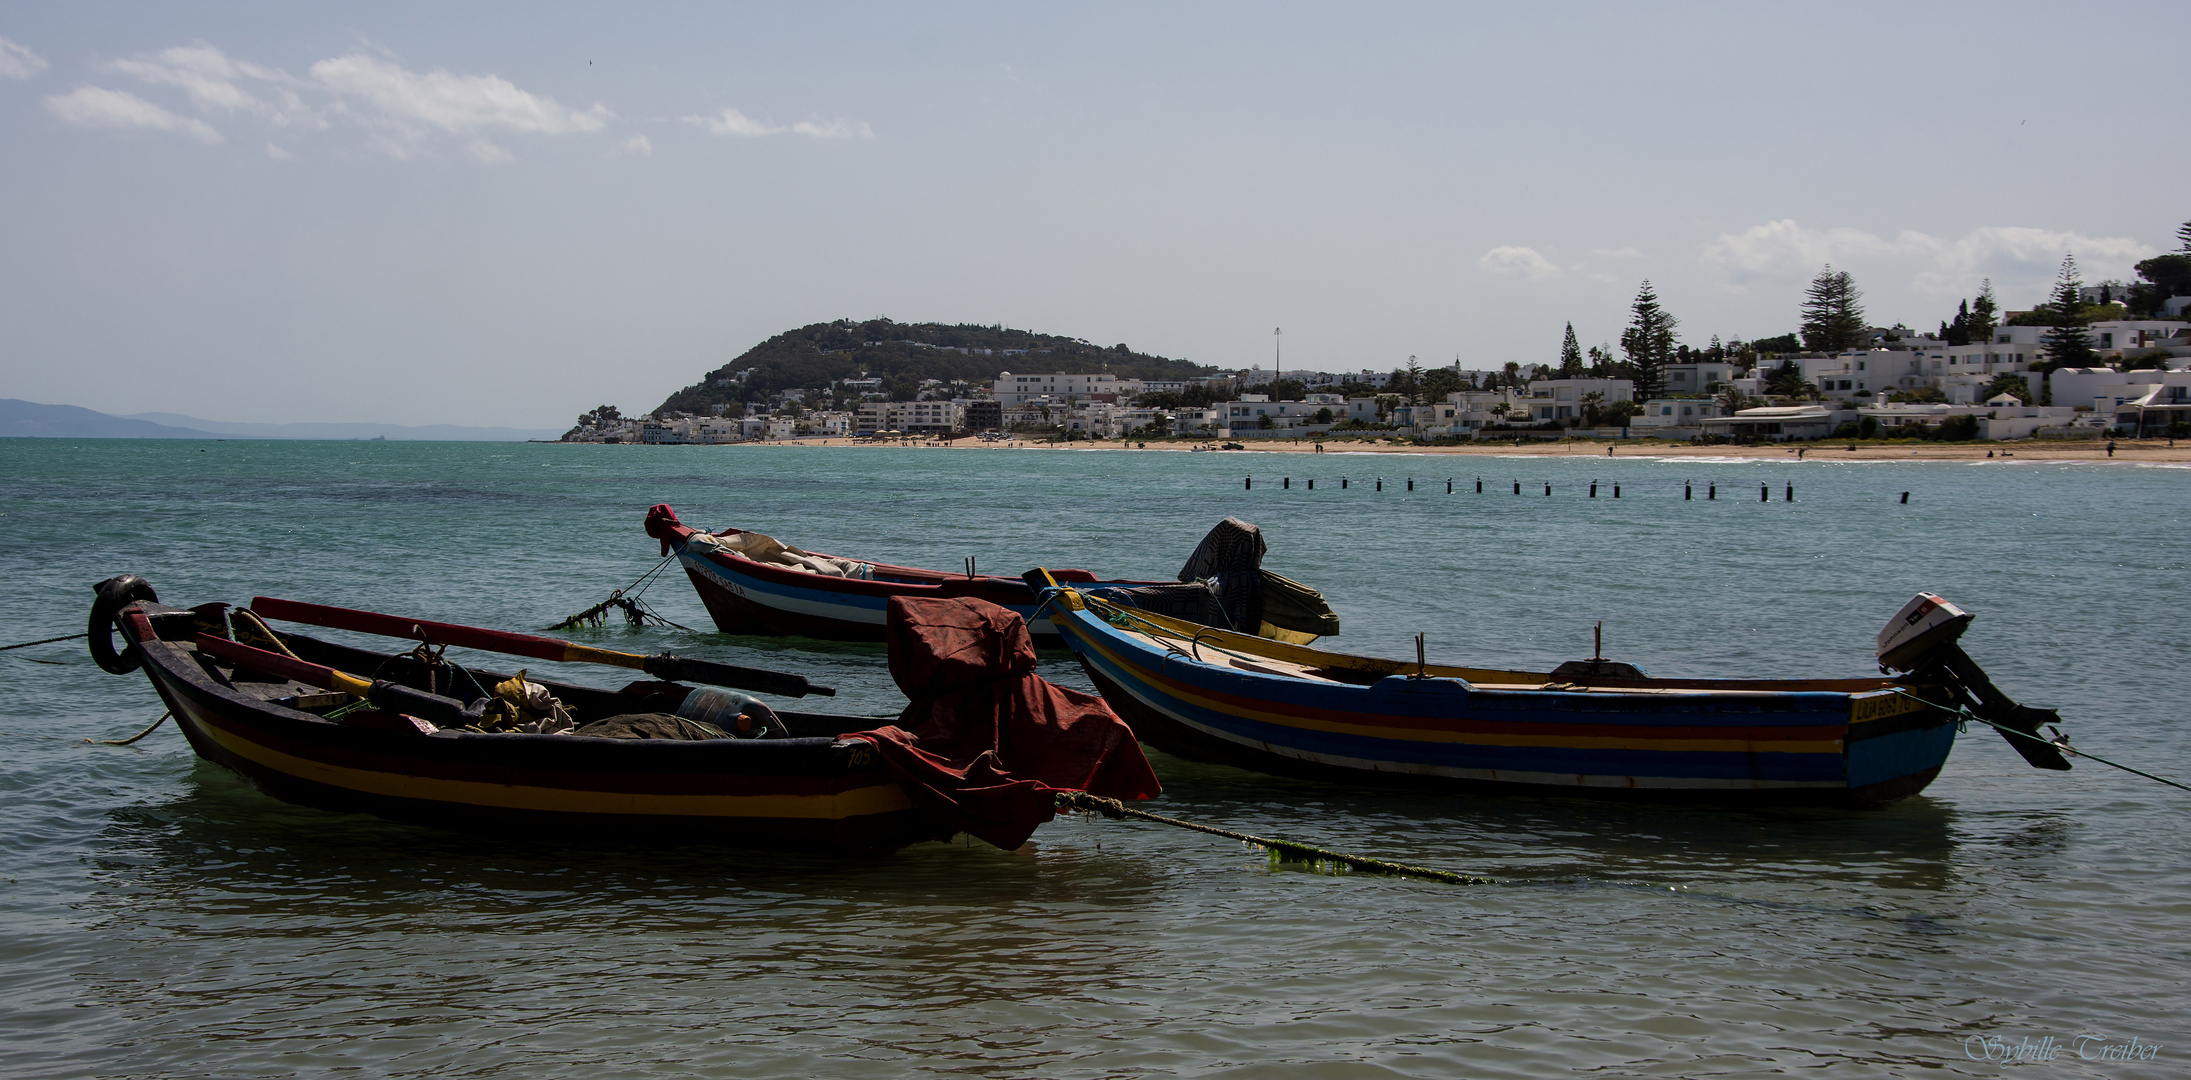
[903, 354]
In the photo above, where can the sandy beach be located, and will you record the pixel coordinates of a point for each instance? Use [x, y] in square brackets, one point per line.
[2146, 450]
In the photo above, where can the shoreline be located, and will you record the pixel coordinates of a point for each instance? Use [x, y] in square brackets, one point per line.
[2082, 450]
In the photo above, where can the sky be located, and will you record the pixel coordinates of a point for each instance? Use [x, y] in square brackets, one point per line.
[508, 213]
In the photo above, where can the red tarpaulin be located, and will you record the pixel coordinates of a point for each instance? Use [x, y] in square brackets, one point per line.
[989, 740]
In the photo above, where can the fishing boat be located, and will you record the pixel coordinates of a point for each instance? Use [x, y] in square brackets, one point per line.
[416, 737]
[754, 584]
[1594, 727]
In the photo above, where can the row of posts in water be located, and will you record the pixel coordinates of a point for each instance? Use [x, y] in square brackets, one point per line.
[1688, 490]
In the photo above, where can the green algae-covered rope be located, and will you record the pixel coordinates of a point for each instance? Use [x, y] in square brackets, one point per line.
[1112, 808]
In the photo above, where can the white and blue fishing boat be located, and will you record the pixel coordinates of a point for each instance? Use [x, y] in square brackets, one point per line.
[1588, 727]
[755, 584]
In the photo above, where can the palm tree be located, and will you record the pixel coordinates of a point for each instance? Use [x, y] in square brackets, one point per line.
[1500, 410]
[1590, 403]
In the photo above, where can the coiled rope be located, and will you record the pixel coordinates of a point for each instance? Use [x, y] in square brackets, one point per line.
[1114, 809]
[2060, 742]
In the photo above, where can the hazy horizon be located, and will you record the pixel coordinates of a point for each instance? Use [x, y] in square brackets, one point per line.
[500, 215]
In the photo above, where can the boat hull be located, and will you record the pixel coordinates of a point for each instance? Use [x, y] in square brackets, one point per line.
[1758, 747]
[806, 794]
[745, 597]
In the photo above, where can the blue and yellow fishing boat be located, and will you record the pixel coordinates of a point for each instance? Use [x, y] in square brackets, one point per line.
[1588, 727]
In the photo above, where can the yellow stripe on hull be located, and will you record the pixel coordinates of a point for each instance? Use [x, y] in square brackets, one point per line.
[1185, 694]
[857, 802]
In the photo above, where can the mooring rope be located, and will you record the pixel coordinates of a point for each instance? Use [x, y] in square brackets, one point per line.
[1114, 809]
[1963, 712]
[626, 599]
[46, 641]
[133, 738]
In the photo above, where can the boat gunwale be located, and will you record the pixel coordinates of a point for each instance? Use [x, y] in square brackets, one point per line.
[1481, 680]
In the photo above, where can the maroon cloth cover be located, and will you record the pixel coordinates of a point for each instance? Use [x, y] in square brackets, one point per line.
[985, 741]
[662, 524]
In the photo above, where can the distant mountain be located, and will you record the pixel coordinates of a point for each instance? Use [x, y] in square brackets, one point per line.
[902, 354]
[29, 418]
[391, 432]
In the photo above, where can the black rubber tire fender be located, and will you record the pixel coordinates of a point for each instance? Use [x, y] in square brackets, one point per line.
[114, 594]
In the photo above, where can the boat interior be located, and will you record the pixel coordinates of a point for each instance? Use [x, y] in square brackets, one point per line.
[422, 669]
[1263, 656]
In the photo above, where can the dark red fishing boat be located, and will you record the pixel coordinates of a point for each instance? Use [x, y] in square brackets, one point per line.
[415, 737]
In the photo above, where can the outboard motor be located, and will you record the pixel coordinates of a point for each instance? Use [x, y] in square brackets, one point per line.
[1920, 641]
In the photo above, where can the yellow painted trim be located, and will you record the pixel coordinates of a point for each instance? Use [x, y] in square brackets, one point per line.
[1432, 735]
[1302, 654]
[1866, 708]
[587, 654]
[873, 799]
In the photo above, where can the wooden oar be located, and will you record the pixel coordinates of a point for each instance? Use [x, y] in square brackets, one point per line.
[443, 711]
[660, 665]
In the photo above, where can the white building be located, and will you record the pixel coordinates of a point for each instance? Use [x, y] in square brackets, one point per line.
[834, 425]
[1013, 389]
[2123, 336]
[1249, 412]
[2152, 414]
[1565, 399]
[1677, 412]
[1699, 378]
[1775, 423]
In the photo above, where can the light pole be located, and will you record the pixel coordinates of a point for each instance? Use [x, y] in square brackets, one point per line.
[1277, 353]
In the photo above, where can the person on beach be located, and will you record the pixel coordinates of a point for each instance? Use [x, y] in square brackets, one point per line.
[2110, 448]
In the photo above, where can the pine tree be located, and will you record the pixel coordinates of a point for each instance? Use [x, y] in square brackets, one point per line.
[1570, 355]
[1649, 343]
[2067, 344]
[1957, 332]
[2183, 235]
[1984, 314]
[1832, 318]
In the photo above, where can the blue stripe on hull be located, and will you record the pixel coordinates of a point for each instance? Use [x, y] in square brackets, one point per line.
[1904, 753]
[1865, 762]
[1414, 756]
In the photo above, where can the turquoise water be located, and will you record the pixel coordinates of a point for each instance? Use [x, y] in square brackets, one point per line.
[160, 919]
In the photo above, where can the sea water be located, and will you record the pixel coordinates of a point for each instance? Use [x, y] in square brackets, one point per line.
[160, 918]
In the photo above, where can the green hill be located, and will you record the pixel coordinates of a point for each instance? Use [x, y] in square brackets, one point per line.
[902, 355]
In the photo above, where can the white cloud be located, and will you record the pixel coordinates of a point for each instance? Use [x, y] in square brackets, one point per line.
[1783, 251]
[18, 62]
[835, 129]
[1522, 262]
[487, 153]
[2016, 252]
[277, 153]
[457, 104]
[640, 145]
[210, 79]
[732, 122]
[97, 107]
